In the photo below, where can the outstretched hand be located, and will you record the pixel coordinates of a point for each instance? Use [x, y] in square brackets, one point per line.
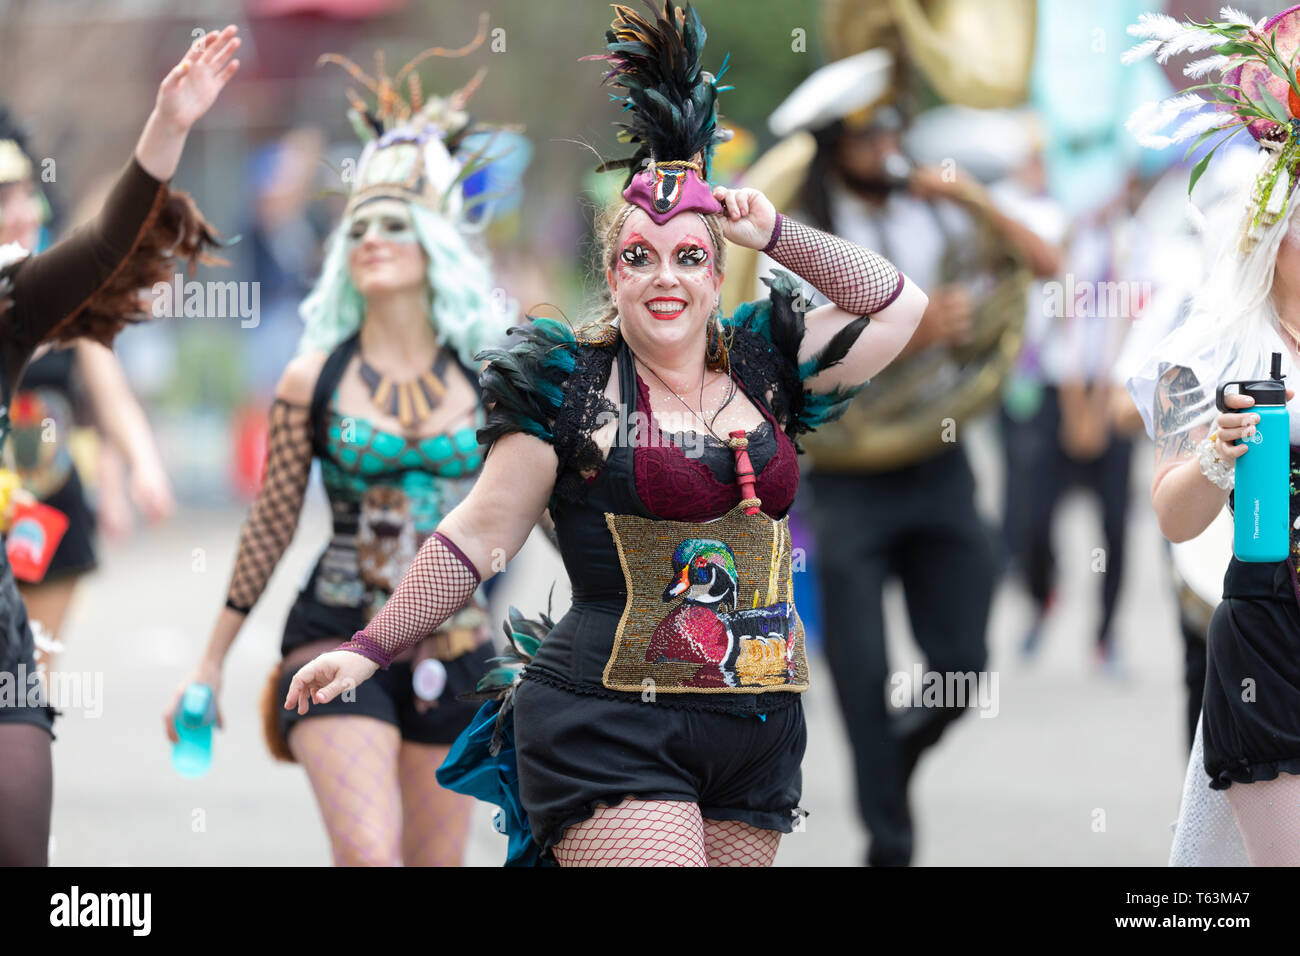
[750, 216]
[190, 89]
[321, 680]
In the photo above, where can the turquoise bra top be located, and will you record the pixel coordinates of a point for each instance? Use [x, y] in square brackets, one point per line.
[368, 451]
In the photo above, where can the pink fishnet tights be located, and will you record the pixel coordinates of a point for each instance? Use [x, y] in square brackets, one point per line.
[435, 820]
[1268, 816]
[377, 794]
[859, 281]
[663, 833]
[439, 582]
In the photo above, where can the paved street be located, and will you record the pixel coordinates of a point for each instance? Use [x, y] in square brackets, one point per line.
[1075, 769]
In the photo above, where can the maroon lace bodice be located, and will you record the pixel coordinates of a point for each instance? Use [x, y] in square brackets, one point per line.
[677, 488]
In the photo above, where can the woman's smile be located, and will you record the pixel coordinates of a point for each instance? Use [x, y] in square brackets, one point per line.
[666, 307]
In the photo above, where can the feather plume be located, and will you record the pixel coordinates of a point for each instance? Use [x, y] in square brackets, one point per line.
[524, 637]
[1200, 123]
[670, 103]
[1149, 119]
[524, 385]
[1199, 69]
[1235, 16]
[1191, 41]
[1156, 26]
[1140, 52]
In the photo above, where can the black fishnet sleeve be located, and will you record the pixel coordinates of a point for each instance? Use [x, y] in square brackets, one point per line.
[274, 518]
[856, 279]
[439, 582]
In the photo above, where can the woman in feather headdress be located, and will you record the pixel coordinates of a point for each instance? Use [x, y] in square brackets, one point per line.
[660, 720]
[384, 393]
[1248, 742]
[86, 286]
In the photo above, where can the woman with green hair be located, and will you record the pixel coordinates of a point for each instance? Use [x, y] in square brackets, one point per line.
[384, 393]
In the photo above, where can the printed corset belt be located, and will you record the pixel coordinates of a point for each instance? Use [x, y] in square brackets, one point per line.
[709, 606]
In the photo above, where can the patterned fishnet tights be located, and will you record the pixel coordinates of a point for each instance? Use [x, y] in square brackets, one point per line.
[439, 582]
[378, 796]
[1268, 816]
[663, 833]
[859, 281]
[274, 518]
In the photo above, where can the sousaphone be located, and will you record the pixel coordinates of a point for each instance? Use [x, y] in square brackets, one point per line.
[972, 53]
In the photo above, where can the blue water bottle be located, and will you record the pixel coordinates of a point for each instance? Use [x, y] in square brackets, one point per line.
[1261, 495]
[192, 753]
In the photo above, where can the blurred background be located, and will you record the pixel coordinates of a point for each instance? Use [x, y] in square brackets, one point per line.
[1082, 761]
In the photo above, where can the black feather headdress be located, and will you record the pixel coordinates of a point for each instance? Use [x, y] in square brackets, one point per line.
[670, 102]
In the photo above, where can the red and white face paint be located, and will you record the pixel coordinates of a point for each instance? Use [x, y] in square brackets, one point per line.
[663, 279]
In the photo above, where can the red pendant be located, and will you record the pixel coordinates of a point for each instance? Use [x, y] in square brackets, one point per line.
[744, 472]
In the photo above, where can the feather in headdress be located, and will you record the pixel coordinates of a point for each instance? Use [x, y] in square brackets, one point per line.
[669, 100]
[427, 148]
[1256, 90]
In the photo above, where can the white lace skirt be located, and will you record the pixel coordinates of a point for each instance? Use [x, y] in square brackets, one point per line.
[1206, 832]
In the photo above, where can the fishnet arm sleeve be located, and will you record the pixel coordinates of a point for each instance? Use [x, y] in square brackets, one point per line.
[274, 518]
[439, 582]
[857, 280]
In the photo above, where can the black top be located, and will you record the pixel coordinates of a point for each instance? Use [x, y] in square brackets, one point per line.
[574, 654]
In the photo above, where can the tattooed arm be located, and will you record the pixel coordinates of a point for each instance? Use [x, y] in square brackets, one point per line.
[1185, 500]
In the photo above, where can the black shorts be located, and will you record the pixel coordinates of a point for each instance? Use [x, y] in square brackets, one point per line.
[18, 705]
[389, 696]
[1251, 712]
[76, 551]
[577, 751]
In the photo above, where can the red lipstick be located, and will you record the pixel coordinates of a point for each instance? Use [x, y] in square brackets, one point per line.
[666, 300]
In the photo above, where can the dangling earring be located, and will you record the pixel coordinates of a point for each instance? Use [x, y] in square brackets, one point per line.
[715, 354]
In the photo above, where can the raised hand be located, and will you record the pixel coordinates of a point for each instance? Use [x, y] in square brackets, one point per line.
[186, 93]
[750, 216]
[190, 89]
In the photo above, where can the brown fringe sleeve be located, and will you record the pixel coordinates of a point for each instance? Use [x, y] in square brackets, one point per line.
[176, 232]
[90, 283]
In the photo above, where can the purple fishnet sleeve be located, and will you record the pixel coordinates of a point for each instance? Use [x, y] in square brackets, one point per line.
[439, 582]
[857, 280]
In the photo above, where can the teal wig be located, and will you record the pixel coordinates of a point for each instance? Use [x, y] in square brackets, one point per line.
[465, 314]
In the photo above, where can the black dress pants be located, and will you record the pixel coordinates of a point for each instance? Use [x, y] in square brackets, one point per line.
[1044, 474]
[920, 524]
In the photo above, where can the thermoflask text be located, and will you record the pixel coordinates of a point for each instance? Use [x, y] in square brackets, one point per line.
[1261, 502]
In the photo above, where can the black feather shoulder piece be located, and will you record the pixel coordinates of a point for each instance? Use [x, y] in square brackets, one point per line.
[670, 102]
[768, 334]
[523, 386]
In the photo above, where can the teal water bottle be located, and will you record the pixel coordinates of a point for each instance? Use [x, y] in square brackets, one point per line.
[192, 753]
[1261, 495]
